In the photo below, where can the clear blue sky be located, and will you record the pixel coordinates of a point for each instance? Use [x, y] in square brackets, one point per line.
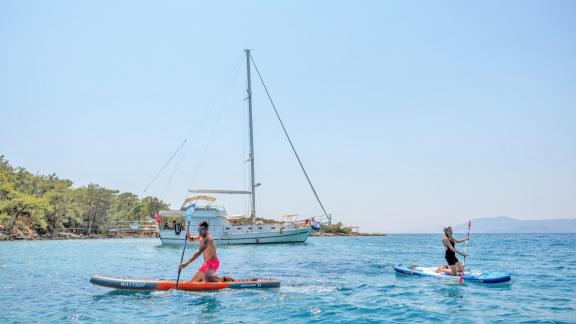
[407, 114]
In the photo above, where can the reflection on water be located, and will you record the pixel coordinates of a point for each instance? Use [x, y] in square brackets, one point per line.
[206, 303]
[452, 291]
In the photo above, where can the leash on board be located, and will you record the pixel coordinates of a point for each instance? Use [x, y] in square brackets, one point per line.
[465, 252]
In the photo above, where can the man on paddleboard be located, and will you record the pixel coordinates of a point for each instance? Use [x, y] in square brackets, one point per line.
[207, 249]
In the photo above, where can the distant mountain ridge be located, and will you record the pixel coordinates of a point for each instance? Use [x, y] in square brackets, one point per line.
[513, 225]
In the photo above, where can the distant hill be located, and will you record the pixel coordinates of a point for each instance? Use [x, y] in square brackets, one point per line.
[513, 225]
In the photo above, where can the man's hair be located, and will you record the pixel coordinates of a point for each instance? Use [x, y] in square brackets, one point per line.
[204, 224]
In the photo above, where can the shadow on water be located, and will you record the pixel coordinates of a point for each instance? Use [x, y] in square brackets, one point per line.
[198, 304]
[500, 286]
[451, 291]
[208, 303]
[137, 294]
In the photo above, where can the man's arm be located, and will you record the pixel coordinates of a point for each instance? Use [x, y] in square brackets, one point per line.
[203, 246]
[192, 238]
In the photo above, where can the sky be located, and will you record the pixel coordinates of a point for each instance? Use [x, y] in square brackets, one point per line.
[408, 115]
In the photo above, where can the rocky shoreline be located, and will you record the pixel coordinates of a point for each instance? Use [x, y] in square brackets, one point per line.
[72, 236]
[30, 235]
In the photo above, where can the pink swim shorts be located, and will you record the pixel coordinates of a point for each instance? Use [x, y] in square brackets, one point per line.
[211, 264]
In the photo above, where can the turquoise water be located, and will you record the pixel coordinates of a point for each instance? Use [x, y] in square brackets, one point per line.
[341, 279]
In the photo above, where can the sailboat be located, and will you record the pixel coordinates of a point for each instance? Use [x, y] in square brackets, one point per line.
[225, 229]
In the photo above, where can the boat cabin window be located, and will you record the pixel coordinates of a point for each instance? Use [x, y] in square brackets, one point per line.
[273, 227]
[238, 227]
[227, 228]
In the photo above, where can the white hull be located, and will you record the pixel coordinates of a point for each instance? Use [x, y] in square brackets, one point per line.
[168, 237]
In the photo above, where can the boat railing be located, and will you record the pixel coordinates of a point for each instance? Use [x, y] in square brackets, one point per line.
[249, 228]
[210, 208]
[307, 221]
[321, 219]
[132, 226]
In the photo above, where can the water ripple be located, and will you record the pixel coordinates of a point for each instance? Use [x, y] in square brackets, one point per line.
[327, 279]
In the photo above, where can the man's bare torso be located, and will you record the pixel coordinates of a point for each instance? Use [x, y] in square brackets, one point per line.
[210, 251]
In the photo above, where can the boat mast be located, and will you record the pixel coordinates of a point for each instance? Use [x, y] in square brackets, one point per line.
[251, 156]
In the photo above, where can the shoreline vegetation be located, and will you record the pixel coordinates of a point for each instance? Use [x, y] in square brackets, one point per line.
[321, 234]
[34, 206]
[338, 229]
[45, 207]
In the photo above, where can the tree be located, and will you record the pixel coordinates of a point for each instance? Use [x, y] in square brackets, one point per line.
[16, 205]
[60, 199]
[150, 205]
[48, 203]
[337, 228]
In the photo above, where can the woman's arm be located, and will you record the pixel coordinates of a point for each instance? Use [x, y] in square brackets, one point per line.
[448, 245]
[462, 240]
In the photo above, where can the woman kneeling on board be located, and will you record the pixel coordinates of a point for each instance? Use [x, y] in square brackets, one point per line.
[207, 249]
[450, 255]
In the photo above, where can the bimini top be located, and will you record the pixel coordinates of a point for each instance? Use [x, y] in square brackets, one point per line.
[229, 192]
[189, 201]
[235, 217]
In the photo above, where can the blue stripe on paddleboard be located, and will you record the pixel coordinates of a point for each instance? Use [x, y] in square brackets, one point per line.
[256, 284]
[480, 277]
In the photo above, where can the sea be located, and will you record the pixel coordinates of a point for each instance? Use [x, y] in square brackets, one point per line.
[326, 279]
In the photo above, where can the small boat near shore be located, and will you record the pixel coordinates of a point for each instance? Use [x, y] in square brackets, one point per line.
[151, 285]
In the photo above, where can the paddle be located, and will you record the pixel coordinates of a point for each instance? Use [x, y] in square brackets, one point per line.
[465, 250]
[183, 250]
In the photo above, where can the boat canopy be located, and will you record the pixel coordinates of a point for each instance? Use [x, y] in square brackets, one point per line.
[196, 198]
[235, 217]
[231, 192]
[289, 217]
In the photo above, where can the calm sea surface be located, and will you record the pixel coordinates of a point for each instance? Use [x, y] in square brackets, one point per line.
[340, 279]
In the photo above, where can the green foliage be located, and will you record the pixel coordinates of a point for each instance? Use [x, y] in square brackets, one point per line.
[50, 204]
[337, 228]
[20, 205]
[248, 220]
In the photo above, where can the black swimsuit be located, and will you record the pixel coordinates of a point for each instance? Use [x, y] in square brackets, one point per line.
[450, 256]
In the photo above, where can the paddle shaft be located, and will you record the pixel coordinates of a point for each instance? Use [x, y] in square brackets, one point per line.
[183, 250]
[465, 252]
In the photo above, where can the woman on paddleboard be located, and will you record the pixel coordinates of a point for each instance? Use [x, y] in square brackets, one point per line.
[450, 254]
